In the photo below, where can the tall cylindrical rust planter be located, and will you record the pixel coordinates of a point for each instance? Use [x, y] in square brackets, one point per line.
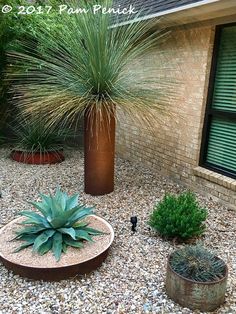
[99, 151]
[204, 296]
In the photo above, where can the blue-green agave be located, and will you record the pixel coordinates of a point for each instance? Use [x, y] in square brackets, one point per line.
[60, 225]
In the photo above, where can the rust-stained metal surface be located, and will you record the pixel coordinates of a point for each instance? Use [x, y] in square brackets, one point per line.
[56, 274]
[205, 296]
[37, 158]
[47, 273]
[99, 151]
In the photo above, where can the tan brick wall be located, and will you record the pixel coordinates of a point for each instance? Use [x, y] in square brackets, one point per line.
[173, 149]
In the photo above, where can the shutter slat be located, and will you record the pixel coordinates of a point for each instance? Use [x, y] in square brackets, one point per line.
[221, 149]
[224, 94]
[222, 143]
[224, 102]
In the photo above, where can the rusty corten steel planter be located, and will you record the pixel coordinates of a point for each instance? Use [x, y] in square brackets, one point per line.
[37, 158]
[54, 273]
[99, 152]
[204, 296]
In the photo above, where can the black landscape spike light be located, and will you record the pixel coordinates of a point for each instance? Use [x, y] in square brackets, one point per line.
[134, 221]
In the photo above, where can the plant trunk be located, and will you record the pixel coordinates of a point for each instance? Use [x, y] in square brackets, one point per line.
[99, 151]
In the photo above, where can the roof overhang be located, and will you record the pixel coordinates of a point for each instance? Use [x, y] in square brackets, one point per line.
[196, 12]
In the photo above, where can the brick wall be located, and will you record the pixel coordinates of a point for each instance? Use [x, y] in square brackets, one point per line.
[173, 146]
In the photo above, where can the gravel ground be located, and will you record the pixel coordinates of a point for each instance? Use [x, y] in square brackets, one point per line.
[132, 278]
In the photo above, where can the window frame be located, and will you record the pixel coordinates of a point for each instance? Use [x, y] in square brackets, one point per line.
[210, 112]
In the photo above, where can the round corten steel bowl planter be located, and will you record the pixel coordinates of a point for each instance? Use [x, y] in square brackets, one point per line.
[38, 158]
[204, 296]
[75, 262]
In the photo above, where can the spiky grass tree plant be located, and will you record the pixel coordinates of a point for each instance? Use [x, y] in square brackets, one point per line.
[86, 68]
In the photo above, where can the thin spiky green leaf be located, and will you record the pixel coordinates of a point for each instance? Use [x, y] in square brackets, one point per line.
[90, 66]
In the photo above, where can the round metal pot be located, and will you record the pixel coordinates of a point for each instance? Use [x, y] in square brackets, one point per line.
[204, 296]
[38, 158]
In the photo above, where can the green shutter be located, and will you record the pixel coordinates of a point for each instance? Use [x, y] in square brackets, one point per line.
[222, 144]
[221, 151]
[224, 97]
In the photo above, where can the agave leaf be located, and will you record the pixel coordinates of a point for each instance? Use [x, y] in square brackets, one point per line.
[64, 219]
[30, 230]
[80, 215]
[93, 231]
[57, 245]
[30, 238]
[80, 224]
[27, 222]
[73, 243]
[47, 201]
[43, 207]
[61, 198]
[22, 247]
[42, 238]
[57, 209]
[68, 231]
[36, 218]
[58, 222]
[64, 247]
[81, 234]
[72, 201]
[45, 247]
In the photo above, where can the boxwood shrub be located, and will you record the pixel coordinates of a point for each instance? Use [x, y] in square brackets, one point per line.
[178, 216]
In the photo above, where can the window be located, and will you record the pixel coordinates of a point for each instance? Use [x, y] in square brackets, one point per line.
[219, 134]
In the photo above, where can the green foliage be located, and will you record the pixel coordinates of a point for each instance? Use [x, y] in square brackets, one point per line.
[33, 135]
[197, 263]
[14, 27]
[178, 216]
[61, 224]
[84, 65]
[2, 139]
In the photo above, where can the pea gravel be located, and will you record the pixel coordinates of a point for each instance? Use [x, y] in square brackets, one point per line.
[132, 278]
